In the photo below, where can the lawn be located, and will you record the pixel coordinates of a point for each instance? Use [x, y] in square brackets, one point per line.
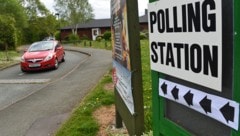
[82, 123]
[92, 44]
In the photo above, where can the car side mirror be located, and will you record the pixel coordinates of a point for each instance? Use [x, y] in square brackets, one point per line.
[59, 48]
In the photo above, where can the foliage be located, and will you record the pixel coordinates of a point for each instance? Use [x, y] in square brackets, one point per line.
[84, 37]
[33, 21]
[8, 37]
[150, 133]
[107, 35]
[143, 36]
[34, 8]
[95, 44]
[40, 27]
[81, 122]
[74, 11]
[147, 84]
[13, 9]
[12, 55]
[99, 38]
[57, 35]
[73, 38]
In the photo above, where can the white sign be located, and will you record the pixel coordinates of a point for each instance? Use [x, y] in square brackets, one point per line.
[123, 84]
[186, 40]
[223, 110]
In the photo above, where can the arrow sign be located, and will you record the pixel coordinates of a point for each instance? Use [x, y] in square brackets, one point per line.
[206, 104]
[175, 92]
[221, 109]
[189, 98]
[164, 88]
[228, 112]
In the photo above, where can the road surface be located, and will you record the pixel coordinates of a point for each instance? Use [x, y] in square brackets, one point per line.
[35, 104]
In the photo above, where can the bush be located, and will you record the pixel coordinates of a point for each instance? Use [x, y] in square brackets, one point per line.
[143, 36]
[73, 38]
[57, 35]
[99, 38]
[8, 35]
[84, 37]
[107, 35]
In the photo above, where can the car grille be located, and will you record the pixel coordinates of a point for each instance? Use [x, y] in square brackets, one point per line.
[34, 60]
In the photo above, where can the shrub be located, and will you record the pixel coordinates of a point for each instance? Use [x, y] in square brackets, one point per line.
[73, 38]
[57, 35]
[84, 37]
[99, 38]
[143, 36]
[8, 35]
[107, 35]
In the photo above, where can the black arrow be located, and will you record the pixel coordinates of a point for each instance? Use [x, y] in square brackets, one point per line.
[228, 112]
[206, 104]
[189, 98]
[164, 88]
[175, 92]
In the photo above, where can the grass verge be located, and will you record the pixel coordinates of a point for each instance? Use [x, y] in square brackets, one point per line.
[10, 60]
[94, 44]
[81, 122]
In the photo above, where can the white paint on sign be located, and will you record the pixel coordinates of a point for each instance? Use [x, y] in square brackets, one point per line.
[186, 40]
[221, 109]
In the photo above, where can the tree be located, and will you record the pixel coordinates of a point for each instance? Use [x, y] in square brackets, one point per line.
[74, 11]
[41, 27]
[34, 8]
[15, 10]
[41, 22]
[7, 33]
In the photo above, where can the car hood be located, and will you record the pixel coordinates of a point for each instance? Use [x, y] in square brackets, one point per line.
[38, 54]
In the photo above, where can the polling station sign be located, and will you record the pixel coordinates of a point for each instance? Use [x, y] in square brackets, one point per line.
[186, 40]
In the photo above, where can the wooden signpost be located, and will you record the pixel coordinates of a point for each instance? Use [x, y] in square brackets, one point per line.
[127, 73]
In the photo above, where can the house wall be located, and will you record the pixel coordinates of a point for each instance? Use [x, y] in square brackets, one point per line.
[82, 32]
[143, 26]
[64, 33]
[103, 30]
[85, 33]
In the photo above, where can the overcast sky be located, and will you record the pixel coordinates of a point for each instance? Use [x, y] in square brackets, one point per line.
[101, 7]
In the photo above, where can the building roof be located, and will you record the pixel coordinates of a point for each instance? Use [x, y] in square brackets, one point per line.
[93, 24]
[143, 19]
[100, 23]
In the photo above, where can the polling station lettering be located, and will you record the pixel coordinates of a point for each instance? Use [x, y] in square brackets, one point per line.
[176, 30]
[195, 17]
[208, 64]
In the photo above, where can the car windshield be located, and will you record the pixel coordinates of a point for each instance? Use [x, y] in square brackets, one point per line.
[41, 46]
[49, 39]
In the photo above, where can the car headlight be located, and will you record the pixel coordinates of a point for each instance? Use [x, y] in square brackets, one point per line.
[49, 57]
[22, 59]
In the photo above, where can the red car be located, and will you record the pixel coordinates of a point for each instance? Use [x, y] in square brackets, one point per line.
[42, 55]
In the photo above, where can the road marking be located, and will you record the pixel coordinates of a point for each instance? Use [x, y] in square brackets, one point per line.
[20, 74]
[23, 81]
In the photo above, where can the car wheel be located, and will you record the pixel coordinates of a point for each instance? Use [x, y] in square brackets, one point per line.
[56, 64]
[63, 58]
[23, 70]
